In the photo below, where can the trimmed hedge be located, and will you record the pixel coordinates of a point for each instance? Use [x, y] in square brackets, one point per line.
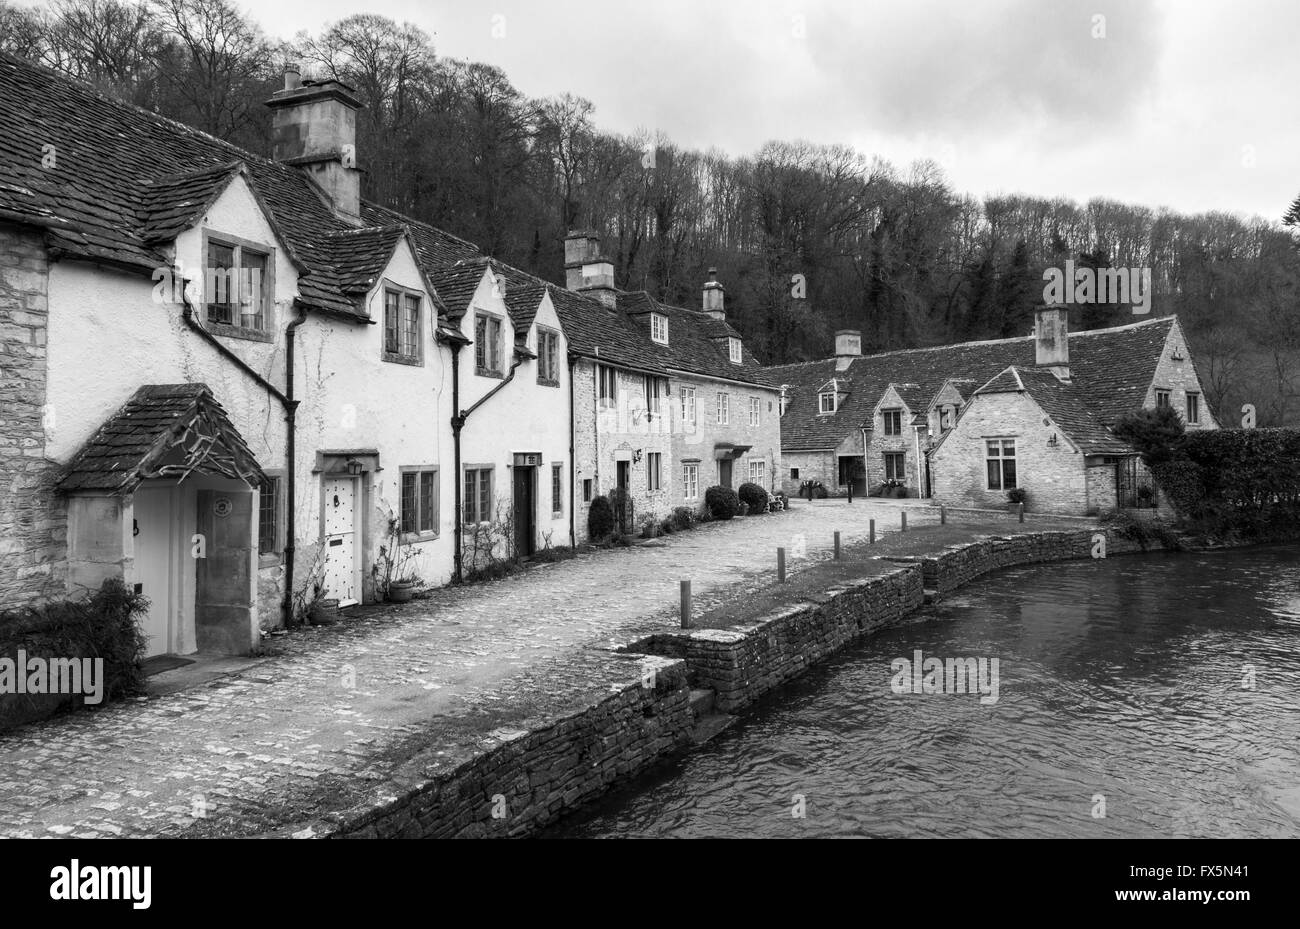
[721, 502]
[1245, 480]
[753, 496]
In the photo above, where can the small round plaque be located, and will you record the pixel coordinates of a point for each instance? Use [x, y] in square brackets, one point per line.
[222, 506]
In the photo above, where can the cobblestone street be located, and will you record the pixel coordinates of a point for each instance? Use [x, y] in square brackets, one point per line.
[333, 703]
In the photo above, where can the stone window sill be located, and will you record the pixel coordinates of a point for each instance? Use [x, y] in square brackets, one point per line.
[239, 332]
[425, 535]
[269, 560]
[485, 372]
[394, 358]
[547, 382]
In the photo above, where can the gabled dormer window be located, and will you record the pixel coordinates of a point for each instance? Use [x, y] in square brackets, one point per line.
[402, 329]
[237, 286]
[487, 345]
[827, 401]
[733, 349]
[659, 328]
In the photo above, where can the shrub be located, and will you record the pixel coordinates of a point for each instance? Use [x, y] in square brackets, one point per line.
[1017, 495]
[1157, 434]
[683, 518]
[753, 496]
[721, 502]
[623, 510]
[600, 520]
[104, 625]
[666, 526]
[649, 526]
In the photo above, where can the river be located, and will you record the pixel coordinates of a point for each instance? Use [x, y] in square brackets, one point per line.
[1144, 695]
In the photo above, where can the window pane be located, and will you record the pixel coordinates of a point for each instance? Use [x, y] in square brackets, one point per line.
[266, 513]
[391, 344]
[471, 496]
[480, 342]
[1008, 474]
[253, 284]
[1008, 448]
[408, 502]
[410, 341]
[993, 449]
[485, 496]
[217, 290]
[428, 501]
[995, 481]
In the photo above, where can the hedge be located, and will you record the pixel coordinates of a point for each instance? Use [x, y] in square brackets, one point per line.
[753, 496]
[721, 502]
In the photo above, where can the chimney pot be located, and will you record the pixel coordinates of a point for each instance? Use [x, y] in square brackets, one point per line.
[292, 77]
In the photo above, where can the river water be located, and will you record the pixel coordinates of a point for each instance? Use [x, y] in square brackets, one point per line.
[1144, 695]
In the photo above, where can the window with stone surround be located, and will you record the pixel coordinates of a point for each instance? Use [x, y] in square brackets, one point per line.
[1193, 409]
[654, 470]
[419, 501]
[724, 409]
[402, 314]
[690, 481]
[478, 494]
[487, 345]
[1162, 398]
[237, 287]
[548, 357]
[1000, 456]
[557, 489]
[758, 472]
[894, 466]
[893, 421]
[268, 516]
[754, 411]
[688, 406]
[607, 385]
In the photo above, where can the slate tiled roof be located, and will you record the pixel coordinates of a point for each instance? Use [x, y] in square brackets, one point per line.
[138, 442]
[1064, 404]
[697, 343]
[1111, 370]
[124, 181]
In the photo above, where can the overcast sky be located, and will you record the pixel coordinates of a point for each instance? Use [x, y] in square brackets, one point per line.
[1190, 104]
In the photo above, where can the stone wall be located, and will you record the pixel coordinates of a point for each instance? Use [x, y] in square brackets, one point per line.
[743, 663]
[33, 519]
[961, 564]
[813, 466]
[1102, 489]
[531, 778]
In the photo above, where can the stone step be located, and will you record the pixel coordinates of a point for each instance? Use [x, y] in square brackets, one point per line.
[702, 702]
[933, 596]
[706, 727]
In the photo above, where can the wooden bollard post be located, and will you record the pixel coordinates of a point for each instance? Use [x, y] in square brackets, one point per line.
[871, 539]
[943, 516]
[837, 545]
[904, 515]
[686, 604]
[1021, 508]
[780, 565]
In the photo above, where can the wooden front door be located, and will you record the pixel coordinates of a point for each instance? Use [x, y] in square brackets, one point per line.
[340, 540]
[524, 481]
[223, 578]
[724, 472]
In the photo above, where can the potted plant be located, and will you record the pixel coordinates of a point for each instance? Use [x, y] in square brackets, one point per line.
[1017, 496]
[322, 610]
[403, 589]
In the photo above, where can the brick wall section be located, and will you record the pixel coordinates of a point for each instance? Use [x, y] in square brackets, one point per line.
[551, 770]
[743, 663]
[33, 519]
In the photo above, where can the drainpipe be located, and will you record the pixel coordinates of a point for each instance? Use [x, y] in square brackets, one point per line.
[573, 472]
[458, 423]
[290, 410]
[291, 466]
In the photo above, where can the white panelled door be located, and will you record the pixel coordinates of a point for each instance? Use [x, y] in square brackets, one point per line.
[340, 540]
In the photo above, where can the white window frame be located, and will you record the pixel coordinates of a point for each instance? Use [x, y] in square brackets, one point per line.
[724, 409]
[490, 342]
[821, 402]
[691, 481]
[755, 411]
[548, 357]
[688, 406]
[659, 328]
[999, 455]
[606, 386]
[758, 471]
[734, 350]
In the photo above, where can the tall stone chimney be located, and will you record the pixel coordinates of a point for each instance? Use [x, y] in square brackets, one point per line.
[848, 345]
[1052, 339]
[314, 126]
[714, 296]
[585, 271]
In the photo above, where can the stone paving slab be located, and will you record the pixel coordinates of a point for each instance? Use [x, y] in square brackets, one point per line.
[333, 708]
